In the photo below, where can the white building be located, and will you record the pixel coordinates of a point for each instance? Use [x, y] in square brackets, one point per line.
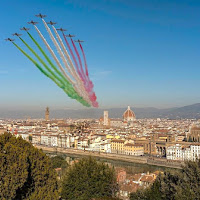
[24, 135]
[180, 152]
[54, 140]
[36, 138]
[44, 140]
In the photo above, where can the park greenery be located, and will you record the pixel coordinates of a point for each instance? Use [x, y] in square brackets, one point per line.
[25, 171]
[181, 184]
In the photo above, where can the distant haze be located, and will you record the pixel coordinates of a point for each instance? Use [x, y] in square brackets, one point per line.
[191, 111]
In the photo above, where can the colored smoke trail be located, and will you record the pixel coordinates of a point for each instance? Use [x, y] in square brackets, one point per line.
[52, 53]
[73, 95]
[72, 71]
[58, 49]
[74, 59]
[79, 59]
[89, 85]
[91, 92]
[38, 66]
[80, 88]
[69, 86]
[86, 67]
[64, 61]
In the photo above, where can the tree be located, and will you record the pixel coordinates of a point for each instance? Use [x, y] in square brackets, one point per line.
[88, 179]
[58, 162]
[181, 184]
[25, 171]
[190, 139]
[30, 138]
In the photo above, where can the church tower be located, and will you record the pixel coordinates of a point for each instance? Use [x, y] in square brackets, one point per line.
[47, 114]
[105, 118]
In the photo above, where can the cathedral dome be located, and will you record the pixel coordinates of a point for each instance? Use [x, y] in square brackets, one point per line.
[129, 115]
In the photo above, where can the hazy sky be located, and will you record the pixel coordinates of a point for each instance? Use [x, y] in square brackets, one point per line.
[139, 52]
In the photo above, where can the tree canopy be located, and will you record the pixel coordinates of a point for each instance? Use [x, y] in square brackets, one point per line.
[181, 184]
[88, 179]
[25, 171]
[58, 162]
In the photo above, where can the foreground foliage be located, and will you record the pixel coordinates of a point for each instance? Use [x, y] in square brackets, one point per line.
[89, 179]
[59, 162]
[182, 184]
[25, 172]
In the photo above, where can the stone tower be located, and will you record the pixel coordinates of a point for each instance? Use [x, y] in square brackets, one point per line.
[47, 114]
[105, 118]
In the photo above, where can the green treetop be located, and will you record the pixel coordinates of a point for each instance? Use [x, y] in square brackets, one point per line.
[89, 179]
[25, 171]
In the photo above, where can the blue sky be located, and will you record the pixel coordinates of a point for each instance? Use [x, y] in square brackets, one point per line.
[141, 53]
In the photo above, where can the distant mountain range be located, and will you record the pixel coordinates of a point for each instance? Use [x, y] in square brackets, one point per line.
[189, 112]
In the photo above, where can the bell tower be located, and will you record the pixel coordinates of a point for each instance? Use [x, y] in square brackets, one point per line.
[105, 118]
[47, 114]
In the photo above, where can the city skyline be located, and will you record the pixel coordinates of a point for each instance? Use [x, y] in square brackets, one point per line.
[139, 54]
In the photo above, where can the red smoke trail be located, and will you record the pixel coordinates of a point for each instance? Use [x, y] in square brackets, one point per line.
[79, 58]
[74, 59]
[86, 68]
[93, 97]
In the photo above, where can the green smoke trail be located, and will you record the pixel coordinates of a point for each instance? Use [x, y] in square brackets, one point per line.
[72, 95]
[47, 58]
[69, 86]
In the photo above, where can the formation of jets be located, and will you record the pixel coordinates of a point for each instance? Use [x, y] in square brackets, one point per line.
[34, 23]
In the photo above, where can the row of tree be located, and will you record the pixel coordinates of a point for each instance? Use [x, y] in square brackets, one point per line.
[27, 173]
[181, 184]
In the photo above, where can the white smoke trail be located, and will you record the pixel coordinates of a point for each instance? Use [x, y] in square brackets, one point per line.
[52, 53]
[79, 91]
[79, 81]
[57, 47]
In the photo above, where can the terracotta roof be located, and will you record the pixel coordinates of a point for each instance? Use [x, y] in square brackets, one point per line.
[195, 128]
[130, 187]
[147, 178]
[136, 177]
[129, 113]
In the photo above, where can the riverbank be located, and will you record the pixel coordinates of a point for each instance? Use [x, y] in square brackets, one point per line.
[132, 159]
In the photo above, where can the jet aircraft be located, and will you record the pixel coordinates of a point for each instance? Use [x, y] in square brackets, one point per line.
[61, 29]
[40, 15]
[52, 23]
[70, 35]
[32, 22]
[9, 39]
[79, 41]
[24, 29]
[16, 34]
